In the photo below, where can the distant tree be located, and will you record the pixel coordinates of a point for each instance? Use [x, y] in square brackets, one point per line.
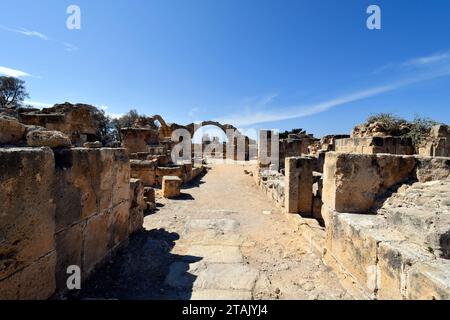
[107, 130]
[12, 92]
[128, 120]
[300, 132]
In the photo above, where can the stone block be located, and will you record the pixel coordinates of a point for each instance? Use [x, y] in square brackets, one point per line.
[51, 139]
[88, 182]
[119, 225]
[27, 212]
[69, 245]
[394, 263]
[429, 281]
[97, 237]
[171, 186]
[299, 185]
[353, 247]
[35, 282]
[431, 169]
[352, 182]
[144, 170]
[440, 131]
[11, 130]
[177, 171]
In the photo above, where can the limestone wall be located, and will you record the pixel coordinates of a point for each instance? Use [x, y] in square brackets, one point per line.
[139, 139]
[389, 249]
[61, 208]
[374, 145]
[438, 144]
[353, 182]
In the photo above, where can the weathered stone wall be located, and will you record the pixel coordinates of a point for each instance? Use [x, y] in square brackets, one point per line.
[77, 121]
[392, 254]
[139, 139]
[438, 144]
[374, 145]
[353, 182]
[27, 223]
[62, 208]
[144, 170]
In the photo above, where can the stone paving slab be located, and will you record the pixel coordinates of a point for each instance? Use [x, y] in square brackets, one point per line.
[212, 276]
[222, 225]
[216, 254]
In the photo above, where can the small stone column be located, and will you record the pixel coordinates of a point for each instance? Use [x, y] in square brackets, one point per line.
[298, 187]
[171, 186]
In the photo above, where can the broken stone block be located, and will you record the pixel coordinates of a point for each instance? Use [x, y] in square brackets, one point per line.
[52, 139]
[11, 130]
[440, 131]
[149, 194]
[137, 205]
[171, 186]
[93, 145]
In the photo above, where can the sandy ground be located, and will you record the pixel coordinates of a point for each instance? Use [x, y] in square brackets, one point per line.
[222, 239]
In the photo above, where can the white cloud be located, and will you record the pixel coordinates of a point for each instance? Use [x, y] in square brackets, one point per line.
[13, 72]
[38, 104]
[428, 60]
[115, 115]
[251, 118]
[31, 33]
[25, 32]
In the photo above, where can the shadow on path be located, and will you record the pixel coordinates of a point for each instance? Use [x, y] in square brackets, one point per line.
[139, 270]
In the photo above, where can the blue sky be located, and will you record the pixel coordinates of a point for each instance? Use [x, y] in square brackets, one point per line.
[254, 63]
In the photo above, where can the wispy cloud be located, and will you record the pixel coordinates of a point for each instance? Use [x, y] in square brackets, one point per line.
[285, 113]
[25, 32]
[13, 72]
[69, 47]
[32, 33]
[428, 60]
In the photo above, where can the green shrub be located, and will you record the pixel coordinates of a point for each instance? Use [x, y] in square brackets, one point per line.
[420, 129]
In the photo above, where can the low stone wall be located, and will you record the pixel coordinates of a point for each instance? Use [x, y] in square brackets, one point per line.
[385, 248]
[61, 208]
[353, 182]
[139, 139]
[438, 145]
[374, 145]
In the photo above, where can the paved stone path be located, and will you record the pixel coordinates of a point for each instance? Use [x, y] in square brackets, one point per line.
[222, 239]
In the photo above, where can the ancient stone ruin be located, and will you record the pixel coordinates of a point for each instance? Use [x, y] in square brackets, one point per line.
[376, 206]
[363, 216]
